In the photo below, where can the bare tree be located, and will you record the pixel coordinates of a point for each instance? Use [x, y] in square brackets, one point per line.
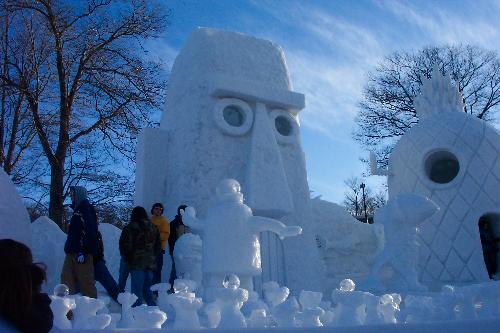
[16, 130]
[353, 200]
[387, 111]
[87, 83]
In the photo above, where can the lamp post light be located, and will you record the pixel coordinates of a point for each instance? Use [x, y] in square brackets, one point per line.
[362, 187]
[356, 206]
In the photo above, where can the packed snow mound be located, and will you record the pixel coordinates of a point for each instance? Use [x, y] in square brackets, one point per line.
[188, 257]
[14, 218]
[48, 248]
[111, 237]
[347, 246]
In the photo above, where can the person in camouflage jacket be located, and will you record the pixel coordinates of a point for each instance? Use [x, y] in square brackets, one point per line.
[140, 244]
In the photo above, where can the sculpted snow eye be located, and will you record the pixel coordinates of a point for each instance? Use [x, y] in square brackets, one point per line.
[442, 166]
[233, 116]
[285, 126]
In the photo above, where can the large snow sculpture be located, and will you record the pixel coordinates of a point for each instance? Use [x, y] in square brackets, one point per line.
[14, 218]
[395, 268]
[348, 248]
[231, 112]
[452, 158]
[230, 237]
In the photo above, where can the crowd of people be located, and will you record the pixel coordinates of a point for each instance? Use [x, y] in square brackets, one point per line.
[143, 242]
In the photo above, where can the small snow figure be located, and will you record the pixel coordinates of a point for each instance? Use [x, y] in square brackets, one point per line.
[388, 308]
[60, 307]
[230, 299]
[126, 299]
[274, 294]
[162, 289]
[373, 315]
[148, 317]
[185, 304]
[85, 316]
[351, 308]
[231, 237]
[311, 311]
[285, 313]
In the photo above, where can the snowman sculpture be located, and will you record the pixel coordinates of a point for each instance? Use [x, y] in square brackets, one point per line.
[231, 238]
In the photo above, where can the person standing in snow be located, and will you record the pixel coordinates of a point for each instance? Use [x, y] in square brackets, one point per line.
[177, 229]
[23, 307]
[163, 226]
[489, 247]
[81, 245]
[140, 245]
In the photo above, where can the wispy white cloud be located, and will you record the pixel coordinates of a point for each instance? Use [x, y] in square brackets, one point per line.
[331, 91]
[332, 76]
[447, 25]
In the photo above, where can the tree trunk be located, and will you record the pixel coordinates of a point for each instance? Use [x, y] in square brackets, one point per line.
[56, 205]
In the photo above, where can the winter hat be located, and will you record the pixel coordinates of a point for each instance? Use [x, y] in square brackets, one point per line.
[80, 194]
[158, 204]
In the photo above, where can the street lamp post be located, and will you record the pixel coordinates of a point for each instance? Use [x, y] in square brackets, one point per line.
[362, 186]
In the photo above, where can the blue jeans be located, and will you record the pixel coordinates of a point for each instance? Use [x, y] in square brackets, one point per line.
[102, 275]
[159, 267]
[141, 284]
[124, 272]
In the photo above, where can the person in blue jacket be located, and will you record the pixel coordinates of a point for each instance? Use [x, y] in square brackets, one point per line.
[81, 245]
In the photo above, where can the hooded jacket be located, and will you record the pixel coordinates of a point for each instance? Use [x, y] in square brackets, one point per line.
[82, 232]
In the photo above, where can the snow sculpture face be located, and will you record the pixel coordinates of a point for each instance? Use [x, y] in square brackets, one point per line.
[231, 113]
[229, 190]
[452, 158]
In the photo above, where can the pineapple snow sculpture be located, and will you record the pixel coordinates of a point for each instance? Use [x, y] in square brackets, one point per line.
[452, 158]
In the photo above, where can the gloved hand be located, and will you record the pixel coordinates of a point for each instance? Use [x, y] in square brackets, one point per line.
[80, 258]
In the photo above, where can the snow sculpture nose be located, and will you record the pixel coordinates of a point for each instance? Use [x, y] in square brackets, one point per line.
[268, 193]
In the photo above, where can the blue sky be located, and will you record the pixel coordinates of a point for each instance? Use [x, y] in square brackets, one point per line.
[330, 47]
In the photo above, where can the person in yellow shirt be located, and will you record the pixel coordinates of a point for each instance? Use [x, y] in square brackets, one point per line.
[163, 226]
